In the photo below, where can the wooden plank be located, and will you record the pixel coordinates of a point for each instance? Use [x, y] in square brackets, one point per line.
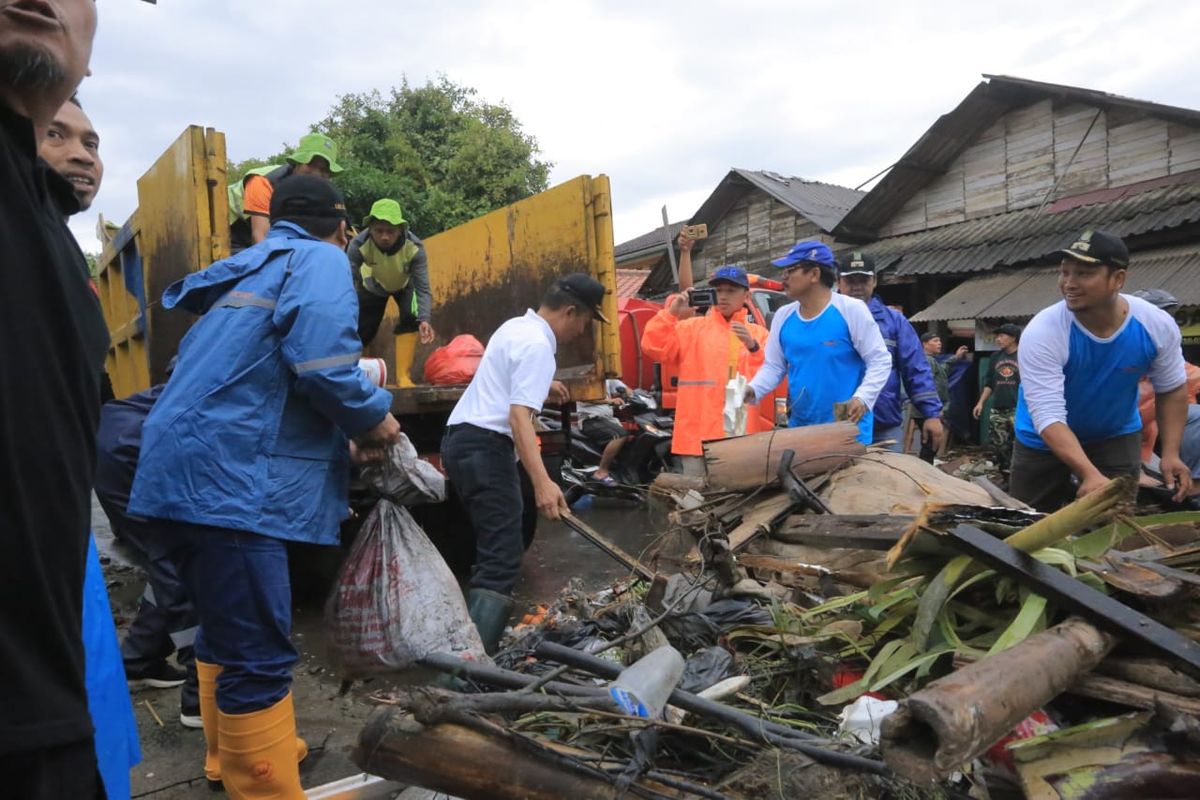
[984, 174]
[757, 520]
[1129, 694]
[1137, 151]
[866, 532]
[1184, 143]
[1089, 170]
[1076, 595]
[1029, 143]
[910, 217]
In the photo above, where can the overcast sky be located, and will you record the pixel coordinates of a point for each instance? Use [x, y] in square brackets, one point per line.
[663, 97]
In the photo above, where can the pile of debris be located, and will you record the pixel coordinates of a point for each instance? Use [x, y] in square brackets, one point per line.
[850, 623]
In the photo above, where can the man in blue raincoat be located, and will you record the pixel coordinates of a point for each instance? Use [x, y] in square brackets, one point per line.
[249, 448]
[857, 280]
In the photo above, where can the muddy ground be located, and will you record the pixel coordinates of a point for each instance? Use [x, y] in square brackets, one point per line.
[329, 716]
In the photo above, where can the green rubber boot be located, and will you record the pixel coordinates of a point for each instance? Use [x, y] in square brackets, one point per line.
[490, 612]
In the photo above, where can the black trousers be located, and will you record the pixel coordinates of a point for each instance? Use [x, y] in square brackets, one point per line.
[166, 621]
[1041, 480]
[371, 308]
[482, 467]
[53, 773]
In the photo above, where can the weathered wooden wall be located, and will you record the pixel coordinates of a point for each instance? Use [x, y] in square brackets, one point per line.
[1016, 162]
[756, 229]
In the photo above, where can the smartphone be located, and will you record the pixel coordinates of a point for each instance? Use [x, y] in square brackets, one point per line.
[702, 298]
[695, 232]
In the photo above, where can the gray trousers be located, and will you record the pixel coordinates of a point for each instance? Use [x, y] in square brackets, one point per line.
[1041, 480]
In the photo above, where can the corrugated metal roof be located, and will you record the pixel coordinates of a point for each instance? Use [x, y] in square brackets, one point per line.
[823, 203]
[1023, 237]
[1023, 293]
[937, 148]
[629, 282]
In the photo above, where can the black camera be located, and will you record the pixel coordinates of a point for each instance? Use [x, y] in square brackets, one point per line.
[702, 298]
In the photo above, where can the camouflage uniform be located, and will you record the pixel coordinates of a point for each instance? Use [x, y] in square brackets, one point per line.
[1000, 437]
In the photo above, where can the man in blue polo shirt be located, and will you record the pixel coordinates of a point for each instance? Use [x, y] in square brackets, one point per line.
[827, 345]
[1081, 360]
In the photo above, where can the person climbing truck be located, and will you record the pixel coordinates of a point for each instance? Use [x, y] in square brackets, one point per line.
[389, 261]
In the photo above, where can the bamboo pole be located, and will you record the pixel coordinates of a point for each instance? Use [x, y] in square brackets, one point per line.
[954, 719]
[1046, 532]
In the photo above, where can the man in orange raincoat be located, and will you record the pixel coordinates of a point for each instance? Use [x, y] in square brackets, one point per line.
[709, 350]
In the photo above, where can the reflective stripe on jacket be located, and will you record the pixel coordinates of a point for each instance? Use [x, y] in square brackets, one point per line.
[251, 430]
[704, 349]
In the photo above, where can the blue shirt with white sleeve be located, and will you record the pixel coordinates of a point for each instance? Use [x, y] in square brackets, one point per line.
[1090, 384]
[837, 355]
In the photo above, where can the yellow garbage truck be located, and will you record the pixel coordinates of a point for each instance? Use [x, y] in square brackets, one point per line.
[481, 273]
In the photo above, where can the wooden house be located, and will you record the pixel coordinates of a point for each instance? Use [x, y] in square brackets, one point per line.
[752, 217]
[968, 222]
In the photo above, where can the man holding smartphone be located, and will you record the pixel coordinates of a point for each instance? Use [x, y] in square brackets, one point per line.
[709, 350]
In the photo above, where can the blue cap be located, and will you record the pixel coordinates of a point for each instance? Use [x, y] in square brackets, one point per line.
[814, 252]
[731, 274]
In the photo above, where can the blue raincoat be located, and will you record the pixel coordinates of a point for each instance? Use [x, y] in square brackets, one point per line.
[251, 431]
[908, 364]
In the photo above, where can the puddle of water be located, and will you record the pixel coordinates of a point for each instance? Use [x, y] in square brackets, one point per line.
[559, 554]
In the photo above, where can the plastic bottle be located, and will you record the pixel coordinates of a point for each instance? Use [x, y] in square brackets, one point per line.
[643, 688]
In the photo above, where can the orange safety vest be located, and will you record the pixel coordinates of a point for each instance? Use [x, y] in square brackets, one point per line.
[1148, 408]
[707, 354]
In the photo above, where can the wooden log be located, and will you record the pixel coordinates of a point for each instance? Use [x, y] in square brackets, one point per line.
[954, 719]
[1132, 695]
[674, 483]
[470, 763]
[747, 462]
[1152, 673]
[1001, 497]
[757, 520]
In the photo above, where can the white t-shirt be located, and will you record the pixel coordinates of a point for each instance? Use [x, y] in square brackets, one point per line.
[516, 370]
[605, 410]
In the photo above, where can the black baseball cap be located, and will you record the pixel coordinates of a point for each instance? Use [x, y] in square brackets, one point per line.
[307, 197]
[859, 263]
[1099, 247]
[1009, 329]
[587, 289]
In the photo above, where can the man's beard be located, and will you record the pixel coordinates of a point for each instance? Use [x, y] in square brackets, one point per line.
[29, 68]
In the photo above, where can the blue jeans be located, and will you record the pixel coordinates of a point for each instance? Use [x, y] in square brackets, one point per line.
[482, 467]
[895, 433]
[239, 584]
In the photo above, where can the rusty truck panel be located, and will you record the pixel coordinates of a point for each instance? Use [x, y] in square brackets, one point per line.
[481, 272]
[492, 268]
[180, 226]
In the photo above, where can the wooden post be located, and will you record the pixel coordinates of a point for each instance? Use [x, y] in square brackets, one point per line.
[747, 462]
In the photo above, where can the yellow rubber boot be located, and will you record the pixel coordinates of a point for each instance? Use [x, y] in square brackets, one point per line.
[406, 350]
[258, 753]
[206, 676]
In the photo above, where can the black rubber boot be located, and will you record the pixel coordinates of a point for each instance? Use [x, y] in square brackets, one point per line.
[490, 612]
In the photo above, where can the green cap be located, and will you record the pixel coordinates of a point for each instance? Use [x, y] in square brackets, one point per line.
[316, 144]
[385, 210]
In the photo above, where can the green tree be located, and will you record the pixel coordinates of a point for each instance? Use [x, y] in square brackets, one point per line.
[443, 153]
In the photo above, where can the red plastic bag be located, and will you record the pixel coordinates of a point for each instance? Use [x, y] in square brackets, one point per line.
[396, 601]
[454, 363]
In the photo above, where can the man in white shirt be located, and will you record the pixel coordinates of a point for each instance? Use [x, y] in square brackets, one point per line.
[1080, 361]
[493, 418]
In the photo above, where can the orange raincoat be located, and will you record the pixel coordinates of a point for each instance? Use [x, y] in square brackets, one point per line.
[706, 352]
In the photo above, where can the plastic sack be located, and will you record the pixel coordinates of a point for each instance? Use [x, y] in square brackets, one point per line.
[395, 600]
[734, 415]
[404, 478]
[454, 363]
